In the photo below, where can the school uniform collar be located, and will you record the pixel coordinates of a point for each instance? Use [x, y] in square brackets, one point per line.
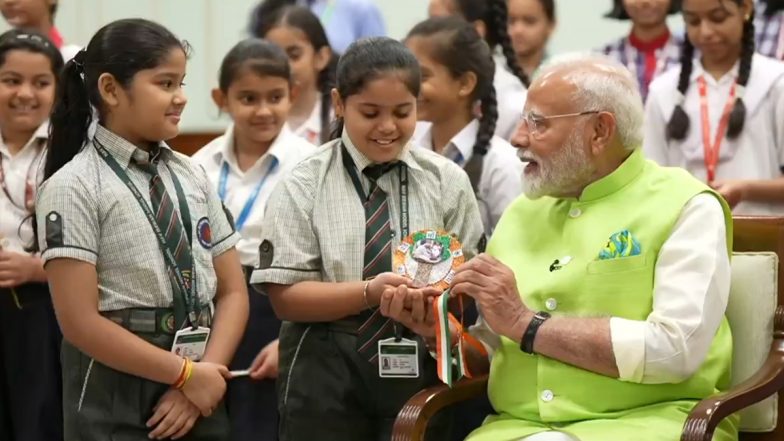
[460, 148]
[698, 70]
[649, 46]
[615, 181]
[277, 151]
[123, 151]
[38, 139]
[361, 161]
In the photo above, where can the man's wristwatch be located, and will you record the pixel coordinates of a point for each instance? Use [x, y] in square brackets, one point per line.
[527, 342]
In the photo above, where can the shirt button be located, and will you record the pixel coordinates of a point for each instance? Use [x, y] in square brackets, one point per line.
[547, 395]
[551, 304]
[575, 212]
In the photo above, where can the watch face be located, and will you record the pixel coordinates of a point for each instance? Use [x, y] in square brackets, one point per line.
[429, 258]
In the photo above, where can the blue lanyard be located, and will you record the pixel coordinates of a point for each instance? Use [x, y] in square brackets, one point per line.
[248, 207]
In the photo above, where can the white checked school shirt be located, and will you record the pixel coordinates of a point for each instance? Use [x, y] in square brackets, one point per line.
[502, 169]
[85, 212]
[286, 152]
[314, 225]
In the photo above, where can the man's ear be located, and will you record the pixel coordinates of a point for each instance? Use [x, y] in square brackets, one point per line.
[604, 129]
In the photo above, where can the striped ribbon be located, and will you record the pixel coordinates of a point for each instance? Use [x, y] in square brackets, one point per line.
[445, 358]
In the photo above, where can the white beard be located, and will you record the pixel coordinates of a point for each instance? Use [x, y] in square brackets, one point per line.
[566, 171]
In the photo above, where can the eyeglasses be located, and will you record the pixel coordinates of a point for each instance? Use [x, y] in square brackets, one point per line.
[535, 123]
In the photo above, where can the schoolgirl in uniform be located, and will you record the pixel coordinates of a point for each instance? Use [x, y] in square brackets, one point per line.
[457, 71]
[137, 249]
[650, 48]
[300, 34]
[30, 379]
[38, 15]
[530, 23]
[721, 115]
[769, 29]
[244, 165]
[510, 81]
[325, 256]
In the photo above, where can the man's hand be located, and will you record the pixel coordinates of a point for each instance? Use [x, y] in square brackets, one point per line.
[492, 284]
[173, 417]
[411, 307]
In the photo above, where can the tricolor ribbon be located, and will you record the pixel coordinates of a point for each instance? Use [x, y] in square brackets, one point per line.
[445, 358]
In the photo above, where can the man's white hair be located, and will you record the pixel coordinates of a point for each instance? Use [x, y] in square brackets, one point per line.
[606, 85]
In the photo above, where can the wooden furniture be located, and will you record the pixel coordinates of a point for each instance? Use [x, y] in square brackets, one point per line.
[190, 143]
[750, 234]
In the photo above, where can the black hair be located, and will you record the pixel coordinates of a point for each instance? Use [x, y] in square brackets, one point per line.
[121, 48]
[678, 125]
[368, 59]
[273, 13]
[618, 12]
[260, 56]
[31, 41]
[457, 46]
[494, 14]
[549, 9]
[52, 11]
[772, 7]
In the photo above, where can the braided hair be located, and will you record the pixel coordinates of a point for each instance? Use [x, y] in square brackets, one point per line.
[456, 45]
[493, 13]
[678, 125]
[273, 13]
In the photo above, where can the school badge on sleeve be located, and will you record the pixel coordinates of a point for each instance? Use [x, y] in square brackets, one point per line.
[429, 258]
[204, 233]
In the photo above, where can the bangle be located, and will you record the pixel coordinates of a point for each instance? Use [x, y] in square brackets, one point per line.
[181, 376]
[364, 295]
[188, 375]
[185, 373]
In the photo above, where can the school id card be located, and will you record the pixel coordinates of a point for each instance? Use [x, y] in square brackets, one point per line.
[398, 359]
[191, 343]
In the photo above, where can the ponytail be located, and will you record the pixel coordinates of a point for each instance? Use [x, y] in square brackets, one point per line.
[484, 137]
[499, 14]
[326, 82]
[337, 129]
[489, 108]
[678, 125]
[70, 119]
[738, 114]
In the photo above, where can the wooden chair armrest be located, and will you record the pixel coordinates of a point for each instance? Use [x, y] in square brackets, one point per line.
[769, 379]
[411, 421]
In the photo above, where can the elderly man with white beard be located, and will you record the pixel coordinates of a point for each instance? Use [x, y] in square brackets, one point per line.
[603, 289]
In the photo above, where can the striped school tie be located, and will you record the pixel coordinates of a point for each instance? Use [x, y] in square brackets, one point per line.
[173, 231]
[378, 259]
